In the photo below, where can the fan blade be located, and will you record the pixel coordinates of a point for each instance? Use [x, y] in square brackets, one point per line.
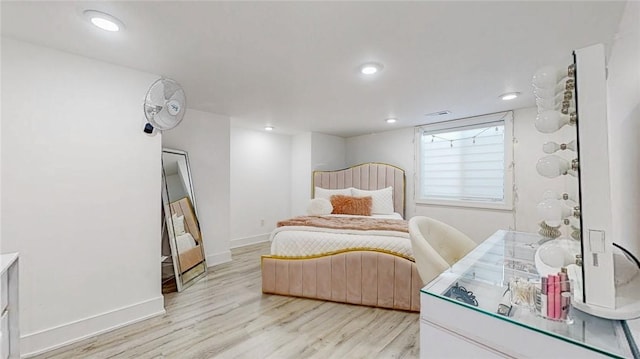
[170, 88]
[163, 120]
[155, 96]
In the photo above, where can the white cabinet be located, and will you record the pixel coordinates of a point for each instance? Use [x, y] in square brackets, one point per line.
[9, 320]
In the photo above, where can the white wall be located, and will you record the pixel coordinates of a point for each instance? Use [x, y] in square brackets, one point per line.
[260, 183]
[80, 185]
[175, 187]
[300, 173]
[623, 106]
[312, 151]
[327, 152]
[391, 147]
[205, 137]
[397, 148]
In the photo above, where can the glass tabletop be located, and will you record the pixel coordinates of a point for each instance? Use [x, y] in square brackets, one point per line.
[480, 281]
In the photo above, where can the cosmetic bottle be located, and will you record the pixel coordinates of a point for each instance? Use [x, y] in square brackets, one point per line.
[551, 297]
[565, 294]
[543, 297]
[557, 302]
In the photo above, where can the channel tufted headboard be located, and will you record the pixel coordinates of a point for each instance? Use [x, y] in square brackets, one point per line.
[365, 176]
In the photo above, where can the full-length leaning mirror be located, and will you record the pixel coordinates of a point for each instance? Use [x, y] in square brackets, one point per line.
[182, 249]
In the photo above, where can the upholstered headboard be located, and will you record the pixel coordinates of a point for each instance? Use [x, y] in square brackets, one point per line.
[183, 207]
[366, 176]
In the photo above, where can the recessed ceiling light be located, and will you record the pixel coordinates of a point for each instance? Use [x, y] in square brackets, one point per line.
[370, 68]
[509, 95]
[439, 113]
[268, 128]
[391, 120]
[104, 21]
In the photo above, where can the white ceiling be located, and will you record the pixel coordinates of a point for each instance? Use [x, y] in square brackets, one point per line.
[294, 65]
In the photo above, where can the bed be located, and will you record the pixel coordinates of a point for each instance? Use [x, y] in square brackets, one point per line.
[368, 265]
[187, 234]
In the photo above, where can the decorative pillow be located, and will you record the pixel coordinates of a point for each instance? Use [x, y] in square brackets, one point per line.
[382, 199]
[327, 193]
[178, 224]
[360, 206]
[319, 207]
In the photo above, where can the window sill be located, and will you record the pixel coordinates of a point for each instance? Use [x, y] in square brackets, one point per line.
[502, 206]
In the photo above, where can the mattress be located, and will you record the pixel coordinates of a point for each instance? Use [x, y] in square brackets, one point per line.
[298, 241]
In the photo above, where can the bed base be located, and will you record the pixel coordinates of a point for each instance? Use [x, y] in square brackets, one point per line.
[370, 278]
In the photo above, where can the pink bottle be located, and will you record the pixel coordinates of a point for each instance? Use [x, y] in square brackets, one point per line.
[551, 297]
[558, 299]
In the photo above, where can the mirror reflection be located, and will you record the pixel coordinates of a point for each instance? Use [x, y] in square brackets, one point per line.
[183, 251]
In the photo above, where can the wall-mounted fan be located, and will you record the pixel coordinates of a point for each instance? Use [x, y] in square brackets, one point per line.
[164, 105]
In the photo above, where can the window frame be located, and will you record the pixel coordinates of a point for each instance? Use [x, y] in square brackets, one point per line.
[508, 197]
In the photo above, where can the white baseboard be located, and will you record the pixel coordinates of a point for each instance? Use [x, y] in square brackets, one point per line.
[241, 242]
[49, 339]
[218, 258]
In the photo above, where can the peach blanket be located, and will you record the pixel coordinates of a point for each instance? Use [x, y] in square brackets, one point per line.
[354, 223]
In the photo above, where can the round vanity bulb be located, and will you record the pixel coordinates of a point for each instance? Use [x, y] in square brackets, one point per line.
[551, 92]
[552, 166]
[554, 104]
[548, 77]
[551, 121]
[551, 147]
[547, 104]
[550, 194]
[546, 93]
[553, 211]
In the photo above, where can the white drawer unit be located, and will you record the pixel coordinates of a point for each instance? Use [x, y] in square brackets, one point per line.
[9, 321]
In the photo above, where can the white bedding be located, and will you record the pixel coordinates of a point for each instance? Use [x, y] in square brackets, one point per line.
[306, 241]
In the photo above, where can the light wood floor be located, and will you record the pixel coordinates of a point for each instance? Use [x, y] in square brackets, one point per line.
[225, 315]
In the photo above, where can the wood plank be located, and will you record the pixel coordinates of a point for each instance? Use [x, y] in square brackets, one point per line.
[225, 315]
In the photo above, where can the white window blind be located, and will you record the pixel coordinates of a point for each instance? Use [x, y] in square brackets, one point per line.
[464, 161]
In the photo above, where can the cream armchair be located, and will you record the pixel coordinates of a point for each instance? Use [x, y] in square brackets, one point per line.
[436, 246]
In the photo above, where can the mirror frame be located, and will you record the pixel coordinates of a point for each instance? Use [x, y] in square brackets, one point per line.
[181, 283]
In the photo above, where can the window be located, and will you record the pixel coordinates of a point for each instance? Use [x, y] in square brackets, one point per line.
[466, 162]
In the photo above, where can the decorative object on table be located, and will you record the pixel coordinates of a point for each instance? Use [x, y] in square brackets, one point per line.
[460, 293]
[522, 292]
[552, 297]
[547, 231]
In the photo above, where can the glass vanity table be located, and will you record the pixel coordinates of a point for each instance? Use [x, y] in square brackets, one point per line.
[456, 323]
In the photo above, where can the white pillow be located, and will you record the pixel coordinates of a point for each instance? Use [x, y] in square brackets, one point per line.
[319, 207]
[382, 199]
[327, 193]
[185, 242]
[178, 224]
